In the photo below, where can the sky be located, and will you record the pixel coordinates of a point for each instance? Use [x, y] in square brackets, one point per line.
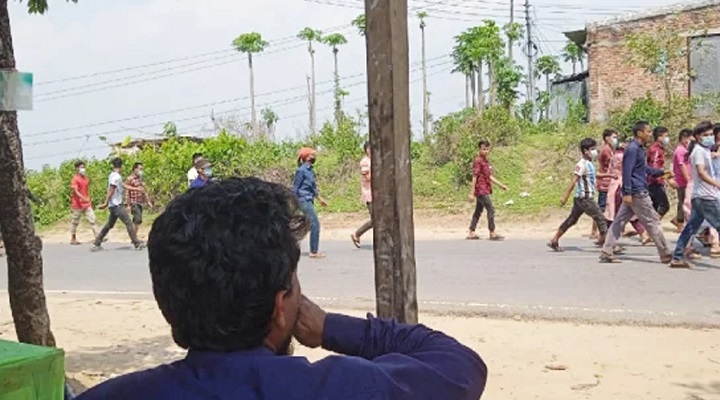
[111, 69]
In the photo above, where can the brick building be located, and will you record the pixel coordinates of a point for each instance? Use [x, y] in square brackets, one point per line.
[613, 83]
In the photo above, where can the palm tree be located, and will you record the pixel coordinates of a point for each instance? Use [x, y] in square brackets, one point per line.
[574, 54]
[334, 41]
[426, 95]
[465, 65]
[547, 65]
[270, 119]
[311, 36]
[360, 22]
[251, 43]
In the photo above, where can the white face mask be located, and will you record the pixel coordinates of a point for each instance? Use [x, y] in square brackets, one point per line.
[666, 141]
[614, 143]
[82, 171]
[593, 154]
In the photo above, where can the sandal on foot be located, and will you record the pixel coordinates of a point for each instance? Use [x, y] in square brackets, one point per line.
[355, 240]
[555, 246]
[680, 264]
[75, 243]
[606, 258]
[496, 238]
[317, 255]
[472, 236]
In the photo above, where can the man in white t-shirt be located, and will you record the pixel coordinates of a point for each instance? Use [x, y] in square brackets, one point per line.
[705, 206]
[114, 204]
[192, 173]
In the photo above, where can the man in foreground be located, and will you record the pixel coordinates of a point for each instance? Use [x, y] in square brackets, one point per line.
[636, 197]
[223, 261]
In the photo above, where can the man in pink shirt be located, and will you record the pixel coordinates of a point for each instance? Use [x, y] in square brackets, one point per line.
[365, 194]
[682, 174]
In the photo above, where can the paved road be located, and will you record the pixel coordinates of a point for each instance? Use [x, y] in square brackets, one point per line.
[503, 279]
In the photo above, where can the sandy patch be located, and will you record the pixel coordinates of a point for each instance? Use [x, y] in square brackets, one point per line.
[107, 337]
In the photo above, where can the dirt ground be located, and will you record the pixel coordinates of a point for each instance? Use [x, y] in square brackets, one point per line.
[107, 337]
[429, 225]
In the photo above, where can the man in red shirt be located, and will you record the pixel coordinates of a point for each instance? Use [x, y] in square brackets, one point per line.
[610, 138]
[136, 194]
[80, 202]
[481, 190]
[656, 159]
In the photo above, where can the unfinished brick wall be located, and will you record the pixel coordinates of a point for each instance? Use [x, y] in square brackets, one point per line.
[613, 82]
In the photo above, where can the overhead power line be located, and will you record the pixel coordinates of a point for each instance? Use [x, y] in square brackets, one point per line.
[227, 50]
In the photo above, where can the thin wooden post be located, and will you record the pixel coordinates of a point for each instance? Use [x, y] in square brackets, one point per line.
[390, 137]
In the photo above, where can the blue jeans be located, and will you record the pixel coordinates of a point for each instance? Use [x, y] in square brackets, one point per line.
[702, 210]
[308, 208]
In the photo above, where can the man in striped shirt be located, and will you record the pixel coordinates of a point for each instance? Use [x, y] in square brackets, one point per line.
[582, 186]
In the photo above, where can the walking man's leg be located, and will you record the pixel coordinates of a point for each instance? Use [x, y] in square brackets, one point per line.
[593, 211]
[308, 208]
[137, 216]
[364, 228]
[569, 222]
[622, 216]
[74, 222]
[90, 216]
[112, 219]
[479, 206]
[643, 208]
[123, 215]
[487, 203]
[680, 218]
[697, 216]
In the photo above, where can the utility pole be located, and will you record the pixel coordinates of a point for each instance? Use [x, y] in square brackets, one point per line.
[389, 116]
[426, 95]
[510, 42]
[530, 56]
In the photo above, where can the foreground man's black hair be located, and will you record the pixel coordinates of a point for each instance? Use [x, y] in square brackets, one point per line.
[218, 257]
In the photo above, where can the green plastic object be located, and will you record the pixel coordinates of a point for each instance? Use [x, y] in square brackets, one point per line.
[30, 372]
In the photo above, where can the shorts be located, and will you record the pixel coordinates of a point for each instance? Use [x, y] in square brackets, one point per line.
[136, 210]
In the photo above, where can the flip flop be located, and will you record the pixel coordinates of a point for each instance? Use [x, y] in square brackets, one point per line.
[472, 237]
[497, 238]
[355, 240]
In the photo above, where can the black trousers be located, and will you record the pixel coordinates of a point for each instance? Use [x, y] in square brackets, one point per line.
[587, 206]
[483, 202]
[118, 213]
[680, 208]
[659, 198]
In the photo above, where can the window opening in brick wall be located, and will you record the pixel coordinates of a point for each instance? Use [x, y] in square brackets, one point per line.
[705, 73]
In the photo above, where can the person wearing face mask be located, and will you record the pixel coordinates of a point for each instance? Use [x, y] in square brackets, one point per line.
[205, 174]
[583, 186]
[682, 175]
[306, 191]
[80, 203]
[136, 195]
[636, 197]
[656, 159]
[705, 193]
[610, 140]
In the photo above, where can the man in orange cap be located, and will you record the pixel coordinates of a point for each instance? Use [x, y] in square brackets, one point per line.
[306, 191]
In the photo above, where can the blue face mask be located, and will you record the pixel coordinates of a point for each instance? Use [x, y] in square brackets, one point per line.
[708, 141]
[208, 172]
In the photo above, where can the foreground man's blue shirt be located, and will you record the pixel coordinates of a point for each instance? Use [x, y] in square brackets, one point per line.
[635, 170]
[384, 360]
